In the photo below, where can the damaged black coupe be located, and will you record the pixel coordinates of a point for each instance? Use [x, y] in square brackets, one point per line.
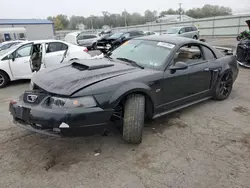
[243, 48]
[145, 77]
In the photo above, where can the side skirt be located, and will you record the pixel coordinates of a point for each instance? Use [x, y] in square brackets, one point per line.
[180, 107]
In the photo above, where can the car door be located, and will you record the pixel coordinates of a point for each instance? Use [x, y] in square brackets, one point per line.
[19, 64]
[200, 72]
[187, 85]
[54, 53]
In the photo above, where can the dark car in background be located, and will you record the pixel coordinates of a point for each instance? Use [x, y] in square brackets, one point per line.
[146, 77]
[110, 43]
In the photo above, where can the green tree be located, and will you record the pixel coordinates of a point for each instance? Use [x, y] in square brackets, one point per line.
[64, 20]
[150, 16]
[168, 12]
[58, 24]
[209, 11]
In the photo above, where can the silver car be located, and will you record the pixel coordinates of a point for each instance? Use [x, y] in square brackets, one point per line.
[184, 31]
[87, 40]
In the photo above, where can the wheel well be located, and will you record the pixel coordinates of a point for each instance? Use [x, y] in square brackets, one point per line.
[149, 105]
[5, 73]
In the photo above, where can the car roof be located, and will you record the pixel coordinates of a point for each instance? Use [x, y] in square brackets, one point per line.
[132, 31]
[169, 39]
[45, 41]
[181, 26]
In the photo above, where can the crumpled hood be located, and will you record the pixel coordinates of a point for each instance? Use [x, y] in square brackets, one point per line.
[68, 79]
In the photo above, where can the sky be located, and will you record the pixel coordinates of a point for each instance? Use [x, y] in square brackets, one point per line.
[44, 8]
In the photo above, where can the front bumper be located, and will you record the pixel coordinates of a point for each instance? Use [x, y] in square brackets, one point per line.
[41, 119]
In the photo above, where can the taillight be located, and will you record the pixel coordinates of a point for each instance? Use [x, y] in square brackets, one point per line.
[86, 50]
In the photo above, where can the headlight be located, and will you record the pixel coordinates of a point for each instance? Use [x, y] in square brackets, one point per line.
[85, 102]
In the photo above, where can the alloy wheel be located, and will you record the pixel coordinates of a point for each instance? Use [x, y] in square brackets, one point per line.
[226, 85]
[1, 80]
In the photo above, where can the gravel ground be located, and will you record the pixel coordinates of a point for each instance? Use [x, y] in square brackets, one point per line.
[207, 145]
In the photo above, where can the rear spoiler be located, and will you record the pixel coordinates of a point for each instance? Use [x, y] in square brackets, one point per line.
[224, 50]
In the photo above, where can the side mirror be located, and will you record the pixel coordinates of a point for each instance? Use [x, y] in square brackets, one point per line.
[179, 66]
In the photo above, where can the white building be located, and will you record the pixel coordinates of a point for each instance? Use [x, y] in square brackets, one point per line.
[35, 28]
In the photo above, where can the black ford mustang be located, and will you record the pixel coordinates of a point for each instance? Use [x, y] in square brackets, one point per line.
[145, 77]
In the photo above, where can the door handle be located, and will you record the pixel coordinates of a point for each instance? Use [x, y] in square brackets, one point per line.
[206, 69]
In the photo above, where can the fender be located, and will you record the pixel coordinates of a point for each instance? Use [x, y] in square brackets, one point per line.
[133, 87]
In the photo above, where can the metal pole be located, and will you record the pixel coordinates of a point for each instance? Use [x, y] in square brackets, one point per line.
[125, 17]
[180, 12]
[92, 23]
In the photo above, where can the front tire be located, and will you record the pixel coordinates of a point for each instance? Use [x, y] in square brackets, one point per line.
[224, 87]
[133, 120]
[195, 37]
[4, 79]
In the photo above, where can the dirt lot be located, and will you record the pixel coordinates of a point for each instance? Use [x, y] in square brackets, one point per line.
[207, 145]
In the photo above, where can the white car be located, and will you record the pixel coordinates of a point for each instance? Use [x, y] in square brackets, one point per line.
[21, 60]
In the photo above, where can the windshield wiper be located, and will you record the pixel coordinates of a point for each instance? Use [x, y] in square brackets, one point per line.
[130, 61]
[108, 57]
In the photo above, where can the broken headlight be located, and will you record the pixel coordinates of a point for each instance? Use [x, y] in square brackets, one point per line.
[85, 102]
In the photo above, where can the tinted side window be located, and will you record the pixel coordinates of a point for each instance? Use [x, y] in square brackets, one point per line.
[80, 37]
[87, 37]
[194, 28]
[188, 29]
[138, 33]
[208, 53]
[54, 47]
[64, 46]
[189, 54]
[182, 31]
[126, 35]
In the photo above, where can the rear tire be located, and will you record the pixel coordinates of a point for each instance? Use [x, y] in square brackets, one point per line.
[224, 87]
[4, 79]
[133, 122]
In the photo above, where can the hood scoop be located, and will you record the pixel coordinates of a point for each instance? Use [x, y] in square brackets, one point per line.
[82, 66]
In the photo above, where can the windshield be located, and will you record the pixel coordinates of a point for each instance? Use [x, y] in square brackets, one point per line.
[116, 35]
[173, 30]
[151, 54]
[2, 52]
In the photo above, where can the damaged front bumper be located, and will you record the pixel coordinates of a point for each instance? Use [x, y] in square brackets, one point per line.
[55, 121]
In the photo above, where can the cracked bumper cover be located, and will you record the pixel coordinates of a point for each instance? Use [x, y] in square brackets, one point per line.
[51, 121]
